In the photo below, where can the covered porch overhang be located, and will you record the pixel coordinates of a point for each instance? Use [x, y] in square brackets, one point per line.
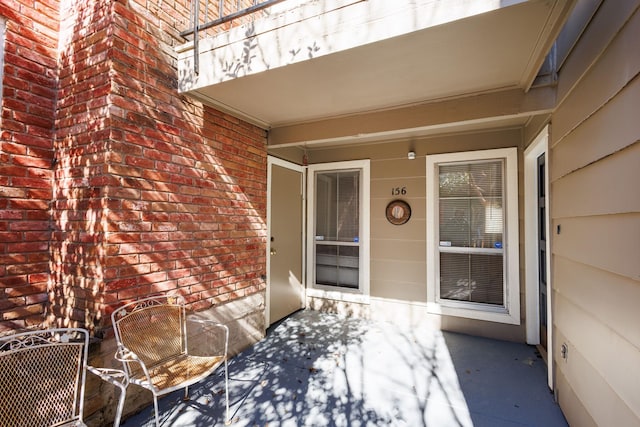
[344, 71]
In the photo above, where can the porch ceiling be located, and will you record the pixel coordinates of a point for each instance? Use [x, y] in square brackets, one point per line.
[328, 60]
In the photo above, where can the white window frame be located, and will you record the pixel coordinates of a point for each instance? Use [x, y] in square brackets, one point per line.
[360, 295]
[510, 313]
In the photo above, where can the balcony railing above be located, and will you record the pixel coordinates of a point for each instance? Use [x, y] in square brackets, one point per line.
[204, 17]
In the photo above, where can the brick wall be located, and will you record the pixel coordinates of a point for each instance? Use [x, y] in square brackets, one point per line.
[81, 143]
[154, 192]
[26, 155]
[211, 11]
[183, 204]
[191, 180]
[149, 191]
[113, 186]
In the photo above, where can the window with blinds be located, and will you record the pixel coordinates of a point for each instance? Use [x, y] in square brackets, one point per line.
[472, 235]
[337, 220]
[471, 227]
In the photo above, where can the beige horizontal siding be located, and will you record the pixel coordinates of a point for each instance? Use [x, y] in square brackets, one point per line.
[400, 291]
[410, 250]
[391, 269]
[571, 405]
[401, 168]
[383, 230]
[592, 140]
[600, 50]
[594, 402]
[601, 366]
[617, 296]
[608, 242]
[609, 186]
[594, 174]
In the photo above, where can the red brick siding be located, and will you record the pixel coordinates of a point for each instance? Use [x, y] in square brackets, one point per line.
[81, 143]
[112, 185]
[192, 180]
[229, 7]
[26, 155]
[154, 193]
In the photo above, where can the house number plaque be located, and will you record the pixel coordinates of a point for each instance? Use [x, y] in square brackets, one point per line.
[399, 191]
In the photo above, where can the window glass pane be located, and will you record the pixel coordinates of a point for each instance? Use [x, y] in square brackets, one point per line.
[472, 278]
[337, 265]
[337, 211]
[471, 216]
[472, 251]
[455, 222]
[470, 197]
[477, 179]
[337, 206]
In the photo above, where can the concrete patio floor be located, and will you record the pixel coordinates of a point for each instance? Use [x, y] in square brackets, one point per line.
[316, 369]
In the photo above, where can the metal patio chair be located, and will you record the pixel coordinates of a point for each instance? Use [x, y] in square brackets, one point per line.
[42, 377]
[151, 335]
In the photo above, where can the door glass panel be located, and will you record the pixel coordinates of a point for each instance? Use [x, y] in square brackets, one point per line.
[337, 266]
[337, 228]
[337, 206]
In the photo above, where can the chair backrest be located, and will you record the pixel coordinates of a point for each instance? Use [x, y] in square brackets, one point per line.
[153, 328]
[42, 377]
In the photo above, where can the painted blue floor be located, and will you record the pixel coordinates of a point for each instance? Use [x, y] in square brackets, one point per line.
[316, 369]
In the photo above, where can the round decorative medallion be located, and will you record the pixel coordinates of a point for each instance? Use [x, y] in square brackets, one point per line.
[398, 212]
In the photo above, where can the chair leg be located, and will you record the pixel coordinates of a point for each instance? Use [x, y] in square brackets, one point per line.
[186, 394]
[117, 378]
[123, 394]
[155, 406]
[226, 391]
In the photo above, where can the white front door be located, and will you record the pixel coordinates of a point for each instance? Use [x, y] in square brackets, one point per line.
[285, 286]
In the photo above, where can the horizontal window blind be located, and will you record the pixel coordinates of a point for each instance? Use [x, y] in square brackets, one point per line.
[337, 206]
[471, 228]
[472, 277]
[337, 265]
[337, 252]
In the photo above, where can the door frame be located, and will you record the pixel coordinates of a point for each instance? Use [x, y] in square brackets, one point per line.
[275, 161]
[539, 146]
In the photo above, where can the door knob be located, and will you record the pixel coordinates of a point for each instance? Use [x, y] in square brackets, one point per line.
[273, 251]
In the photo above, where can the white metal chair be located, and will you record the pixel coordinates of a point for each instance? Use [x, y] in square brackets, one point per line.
[151, 335]
[42, 377]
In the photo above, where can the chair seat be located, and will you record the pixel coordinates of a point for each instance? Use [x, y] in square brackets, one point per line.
[179, 372]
